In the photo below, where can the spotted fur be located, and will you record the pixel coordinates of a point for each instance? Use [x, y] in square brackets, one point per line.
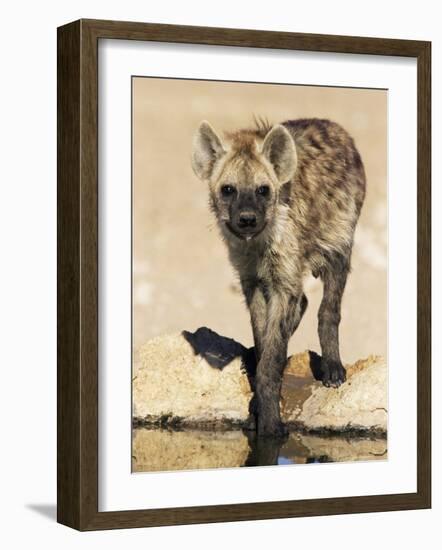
[316, 188]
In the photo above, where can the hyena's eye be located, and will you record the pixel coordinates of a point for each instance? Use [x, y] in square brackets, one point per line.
[263, 190]
[227, 190]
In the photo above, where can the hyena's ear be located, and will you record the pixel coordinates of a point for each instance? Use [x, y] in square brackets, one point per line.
[279, 149]
[207, 149]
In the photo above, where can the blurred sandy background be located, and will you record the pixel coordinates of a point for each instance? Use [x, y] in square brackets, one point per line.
[181, 275]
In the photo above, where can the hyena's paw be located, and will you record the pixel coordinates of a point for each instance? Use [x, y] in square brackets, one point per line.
[333, 373]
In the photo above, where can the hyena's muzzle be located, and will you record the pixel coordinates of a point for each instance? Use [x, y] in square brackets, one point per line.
[247, 210]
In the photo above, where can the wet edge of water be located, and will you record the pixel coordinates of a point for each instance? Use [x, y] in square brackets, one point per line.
[171, 450]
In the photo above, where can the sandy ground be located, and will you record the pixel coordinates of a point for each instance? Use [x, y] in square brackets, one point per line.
[181, 275]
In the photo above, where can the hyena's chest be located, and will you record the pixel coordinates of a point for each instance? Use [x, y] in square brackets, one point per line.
[268, 266]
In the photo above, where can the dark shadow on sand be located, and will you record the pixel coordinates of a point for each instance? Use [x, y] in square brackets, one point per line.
[218, 350]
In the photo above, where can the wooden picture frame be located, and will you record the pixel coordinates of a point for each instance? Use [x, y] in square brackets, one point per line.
[77, 226]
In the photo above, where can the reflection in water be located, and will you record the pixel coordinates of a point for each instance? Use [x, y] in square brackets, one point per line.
[263, 451]
[163, 450]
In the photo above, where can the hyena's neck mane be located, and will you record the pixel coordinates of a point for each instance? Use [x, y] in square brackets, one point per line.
[247, 140]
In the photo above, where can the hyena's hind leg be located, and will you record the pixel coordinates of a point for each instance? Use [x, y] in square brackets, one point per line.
[334, 277]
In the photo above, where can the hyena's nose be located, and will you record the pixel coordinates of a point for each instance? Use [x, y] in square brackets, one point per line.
[247, 219]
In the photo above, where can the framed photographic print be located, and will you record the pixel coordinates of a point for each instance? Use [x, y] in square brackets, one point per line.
[243, 274]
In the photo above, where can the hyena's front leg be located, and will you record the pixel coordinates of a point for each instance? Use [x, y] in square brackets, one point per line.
[284, 314]
[258, 316]
[334, 278]
[258, 307]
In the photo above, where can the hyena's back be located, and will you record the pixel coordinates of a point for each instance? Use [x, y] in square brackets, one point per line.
[328, 188]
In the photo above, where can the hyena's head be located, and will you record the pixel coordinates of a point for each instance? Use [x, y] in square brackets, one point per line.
[245, 173]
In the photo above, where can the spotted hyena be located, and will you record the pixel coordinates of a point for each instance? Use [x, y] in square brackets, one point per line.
[287, 199]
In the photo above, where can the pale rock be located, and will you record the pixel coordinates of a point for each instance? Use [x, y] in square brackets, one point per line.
[197, 378]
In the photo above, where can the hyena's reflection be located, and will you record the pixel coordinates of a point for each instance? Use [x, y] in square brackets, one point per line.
[264, 451]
